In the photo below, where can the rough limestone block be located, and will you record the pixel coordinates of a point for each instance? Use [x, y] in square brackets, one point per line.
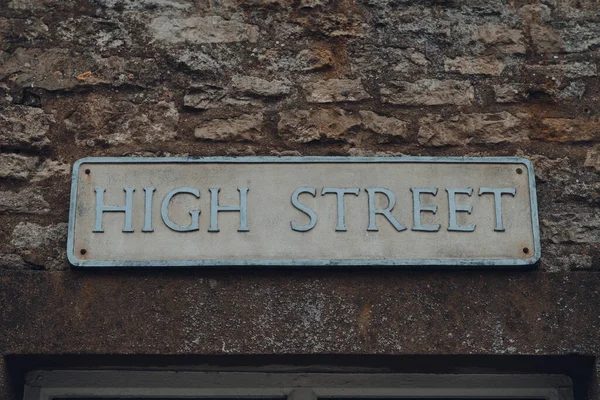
[40, 245]
[239, 129]
[335, 90]
[566, 130]
[384, 125]
[571, 228]
[463, 129]
[26, 201]
[197, 30]
[428, 92]
[474, 66]
[24, 128]
[254, 86]
[17, 167]
[303, 126]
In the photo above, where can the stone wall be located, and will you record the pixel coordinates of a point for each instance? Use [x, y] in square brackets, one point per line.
[83, 78]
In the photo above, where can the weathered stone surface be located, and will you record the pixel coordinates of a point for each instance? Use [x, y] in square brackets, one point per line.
[198, 30]
[24, 128]
[463, 129]
[568, 130]
[197, 60]
[264, 3]
[11, 261]
[100, 121]
[581, 192]
[303, 126]
[36, 67]
[63, 69]
[100, 34]
[342, 22]
[507, 40]
[496, 313]
[535, 12]
[545, 39]
[239, 129]
[584, 10]
[312, 3]
[204, 97]
[510, 93]
[37, 5]
[571, 228]
[5, 96]
[429, 92]
[574, 91]
[518, 92]
[561, 261]
[25, 4]
[566, 70]
[549, 169]
[17, 167]
[254, 86]
[51, 169]
[142, 5]
[40, 245]
[16, 29]
[411, 61]
[384, 125]
[580, 36]
[567, 184]
[26, 201]
[335, 90]
[417, 20]
[592, 158]
[474, 66]
[315, 59]
[579, 262]
[372, 61]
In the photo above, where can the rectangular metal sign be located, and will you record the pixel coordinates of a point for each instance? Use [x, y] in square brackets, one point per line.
[303, 211]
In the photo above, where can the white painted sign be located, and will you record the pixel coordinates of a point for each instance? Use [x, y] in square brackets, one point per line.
[303, 211]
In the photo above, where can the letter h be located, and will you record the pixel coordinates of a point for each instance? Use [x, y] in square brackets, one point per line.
[101, 209]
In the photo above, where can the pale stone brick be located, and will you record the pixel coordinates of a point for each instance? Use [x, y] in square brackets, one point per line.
[428, 92]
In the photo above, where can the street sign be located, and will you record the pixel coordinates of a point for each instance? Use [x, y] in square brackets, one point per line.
[303, 211]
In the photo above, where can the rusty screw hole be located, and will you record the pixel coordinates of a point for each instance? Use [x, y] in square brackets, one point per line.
[526, 250]
[83, 251]
[519, 171]
[87, 171]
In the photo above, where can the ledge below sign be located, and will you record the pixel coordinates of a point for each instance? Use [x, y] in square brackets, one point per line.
[303, 211]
